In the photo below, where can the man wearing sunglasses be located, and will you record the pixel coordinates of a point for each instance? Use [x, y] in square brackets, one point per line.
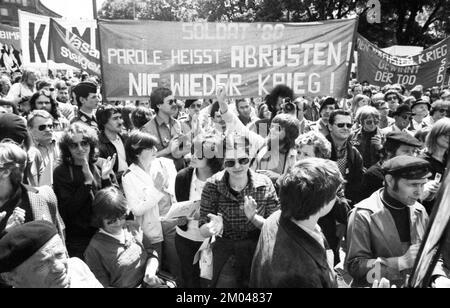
[40, 126]
[402, 116]
[439, 110]
[349, 159]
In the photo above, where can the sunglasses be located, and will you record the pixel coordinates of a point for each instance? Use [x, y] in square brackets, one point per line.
[342, 125]
[114, 220]
[196, 106]
[83, 144]
[406, 117]
[171, 102]
[43, 127]
[371, 122]
[232, 163]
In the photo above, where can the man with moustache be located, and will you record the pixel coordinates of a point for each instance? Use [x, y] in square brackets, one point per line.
[166, 129]
[33, 255]
[385, 231]
[63, 99]
[111, 140]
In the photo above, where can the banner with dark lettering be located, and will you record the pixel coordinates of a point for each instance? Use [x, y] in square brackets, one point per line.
[379, 68]
[34, 37]
[193, 59]
[10, 55]
[67, 47]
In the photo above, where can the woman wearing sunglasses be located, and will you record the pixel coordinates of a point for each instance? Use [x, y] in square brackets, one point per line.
[116, 254]
[234, 206]
[76, 180]
[189, 186]
[368, 138]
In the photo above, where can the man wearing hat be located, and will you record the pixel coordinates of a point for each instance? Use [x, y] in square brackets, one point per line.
[402, 117]
[385, 231]
[88, 99]
[396, 144]
[34, 256]
[420, 109]
[327, 106]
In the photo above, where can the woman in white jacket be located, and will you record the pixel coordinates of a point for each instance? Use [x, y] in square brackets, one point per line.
[149, 186]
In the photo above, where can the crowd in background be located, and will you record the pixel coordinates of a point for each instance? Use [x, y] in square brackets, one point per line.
[291, 191]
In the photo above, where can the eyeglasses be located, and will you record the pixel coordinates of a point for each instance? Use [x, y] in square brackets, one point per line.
[232, 163]
[83, 144]
[442, 110]
[391, 98]
[43, 127]
[171, 102]
[114, 220]
[406, 117]
[371, 122]
[342, 125]
[196, 106]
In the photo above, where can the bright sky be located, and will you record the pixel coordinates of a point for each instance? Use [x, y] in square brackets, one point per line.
[72, 9]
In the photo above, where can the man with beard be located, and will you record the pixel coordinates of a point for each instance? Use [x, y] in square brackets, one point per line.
[40, 126]
[385, 231]
[166, 129]
[327, 106]
[63, 99]
[402, 117]
[33, 256]
[111, 140]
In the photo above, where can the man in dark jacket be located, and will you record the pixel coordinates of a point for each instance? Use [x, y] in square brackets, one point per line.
[111, 140]
[292, 251]
[348, 158]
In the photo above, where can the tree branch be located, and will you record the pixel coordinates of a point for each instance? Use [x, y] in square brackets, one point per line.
[432, 18]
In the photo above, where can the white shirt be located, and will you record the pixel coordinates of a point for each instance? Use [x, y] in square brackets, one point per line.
[121, 156]
[18, 90]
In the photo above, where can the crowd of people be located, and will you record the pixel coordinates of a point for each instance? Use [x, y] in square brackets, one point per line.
[288, 191]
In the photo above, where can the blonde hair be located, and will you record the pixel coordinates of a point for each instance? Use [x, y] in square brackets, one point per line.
[13, 159]
[441, 127]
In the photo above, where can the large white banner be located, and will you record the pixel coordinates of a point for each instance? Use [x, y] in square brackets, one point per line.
[34, 35]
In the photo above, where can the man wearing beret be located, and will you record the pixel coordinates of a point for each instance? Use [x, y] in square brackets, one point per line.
[33, 256]
[385, 231]
[88, 99]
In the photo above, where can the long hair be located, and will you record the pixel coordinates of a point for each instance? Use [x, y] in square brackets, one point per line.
[441, 127]
[54, 110]
[13, 159]
[88, 134]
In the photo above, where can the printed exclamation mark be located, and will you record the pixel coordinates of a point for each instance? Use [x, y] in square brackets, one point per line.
[349, 53]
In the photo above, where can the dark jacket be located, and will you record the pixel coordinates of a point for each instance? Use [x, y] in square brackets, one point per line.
[362, 141]
[354, 171]
[288, 257]
[183, 184]
[372, 180]
[107, 149]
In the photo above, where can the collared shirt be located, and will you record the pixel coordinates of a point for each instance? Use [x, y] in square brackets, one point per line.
[82, 117]
[121, 155]
[50, 158]
[163, 131]
[218, 198]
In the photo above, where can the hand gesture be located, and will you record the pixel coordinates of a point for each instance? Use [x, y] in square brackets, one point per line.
[2, 216]
[108, 166]
[407, 260]
[377, 142]
[432, 187]
[152, 280]
[221, 98]
[88, 176]
[250, 207]
[215, 226]
[16, 219]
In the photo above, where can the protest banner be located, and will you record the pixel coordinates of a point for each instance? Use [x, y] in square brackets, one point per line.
[379, 68]
[67, 47]
[34, 36]
[193, 59]
[10, 55]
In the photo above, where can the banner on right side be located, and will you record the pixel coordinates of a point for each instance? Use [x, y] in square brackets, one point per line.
[379, 68]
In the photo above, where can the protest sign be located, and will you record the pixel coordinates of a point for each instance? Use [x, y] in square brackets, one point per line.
[34, 36]
[67, 47]
[380, 68]
[193, 59]
[10, 56]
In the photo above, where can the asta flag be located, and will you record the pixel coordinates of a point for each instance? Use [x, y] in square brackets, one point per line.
[193, 59]
[380, 68]
[67, 47]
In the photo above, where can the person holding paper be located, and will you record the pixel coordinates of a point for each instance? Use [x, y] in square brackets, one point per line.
[149, 185]
[189, 186]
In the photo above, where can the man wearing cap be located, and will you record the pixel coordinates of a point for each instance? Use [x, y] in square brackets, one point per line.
[33, 256]
[327, 106]
[402, 117]
[396, 144]
[87, 98]
[421, 110]
[385, 231]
